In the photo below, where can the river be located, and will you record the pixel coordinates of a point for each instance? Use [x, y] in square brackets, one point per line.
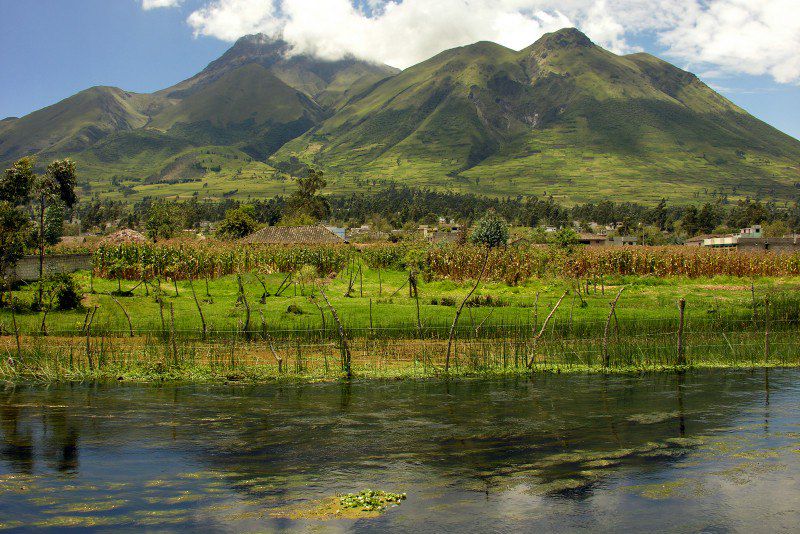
[712, 451]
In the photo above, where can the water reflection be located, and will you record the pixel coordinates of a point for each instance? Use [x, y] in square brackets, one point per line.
[550, 452]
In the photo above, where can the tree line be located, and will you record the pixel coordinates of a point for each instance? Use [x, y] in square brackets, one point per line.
[399, 206]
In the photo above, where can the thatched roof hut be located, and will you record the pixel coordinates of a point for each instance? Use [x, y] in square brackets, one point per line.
[125, 236]
[294, 235]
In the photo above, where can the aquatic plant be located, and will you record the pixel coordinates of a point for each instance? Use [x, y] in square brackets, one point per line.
[370, 500]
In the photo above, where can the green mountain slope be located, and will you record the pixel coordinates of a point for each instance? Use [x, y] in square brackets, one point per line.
[216, 125]
[77, 122]
[562, 117]
[247, 106]
[327, 82]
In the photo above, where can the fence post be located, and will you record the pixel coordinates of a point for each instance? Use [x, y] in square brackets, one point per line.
[346, 357]
[88, 340]
[766, 329]
[172, 333]
[608, 323]
[199, 309]
[681, 353]
[16, 328]
[124, 311]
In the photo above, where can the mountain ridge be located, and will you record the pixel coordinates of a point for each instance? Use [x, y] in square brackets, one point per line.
[562, 117]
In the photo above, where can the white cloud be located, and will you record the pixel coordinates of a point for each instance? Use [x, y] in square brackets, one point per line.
[155, 4]
[726, 36]
[741, 36]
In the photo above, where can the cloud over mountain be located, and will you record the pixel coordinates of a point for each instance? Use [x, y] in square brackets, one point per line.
[723, 36]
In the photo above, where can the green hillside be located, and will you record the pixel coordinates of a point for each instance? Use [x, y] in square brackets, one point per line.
[209, 135]
[562, 117]
[77, 122]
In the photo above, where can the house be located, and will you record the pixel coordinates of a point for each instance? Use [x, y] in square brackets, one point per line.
[751, 239]
[338, 231]
[592, 240]
[124, 236]
[620, 240]
[699, 240]
[774, 244]
[294, 235]
[753, 232]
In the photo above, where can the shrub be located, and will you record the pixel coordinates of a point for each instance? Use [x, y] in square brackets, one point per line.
[64, 291]
[491, 231]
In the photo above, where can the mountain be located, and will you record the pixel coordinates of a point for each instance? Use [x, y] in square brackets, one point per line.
[562, 117]
[76, 122]
[224, 121]
[327, 82]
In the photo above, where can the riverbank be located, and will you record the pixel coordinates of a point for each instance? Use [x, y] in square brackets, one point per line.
[65, 360]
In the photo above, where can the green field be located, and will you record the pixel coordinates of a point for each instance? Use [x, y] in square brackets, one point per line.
[725, 323]
[644, 299]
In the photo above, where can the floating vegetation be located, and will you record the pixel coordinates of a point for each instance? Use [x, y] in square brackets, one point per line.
[652, 418]
[682, 488]
[367, 503]
[370, 501]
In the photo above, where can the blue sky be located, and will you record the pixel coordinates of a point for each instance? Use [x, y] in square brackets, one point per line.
[52, 49]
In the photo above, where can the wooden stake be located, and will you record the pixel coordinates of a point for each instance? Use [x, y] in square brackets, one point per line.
[128, 317]
[88, 340]
[606, 359]
[544, 327]
[172, 333]
[16, 328]
[766, 329]
[681, 353]
[246, 307]
[460, 309]
[199, 309]
[346, 357]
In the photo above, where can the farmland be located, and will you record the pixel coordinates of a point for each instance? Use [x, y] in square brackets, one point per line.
[218, 311]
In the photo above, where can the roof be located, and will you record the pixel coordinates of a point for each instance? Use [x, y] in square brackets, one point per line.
[125, 236]
[583, 236]
[293, 235]
[702, 237]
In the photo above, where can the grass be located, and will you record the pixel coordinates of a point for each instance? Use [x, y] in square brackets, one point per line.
[386, 341]
[647, 300]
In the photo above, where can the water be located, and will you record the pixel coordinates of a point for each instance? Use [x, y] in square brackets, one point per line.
[706, 452]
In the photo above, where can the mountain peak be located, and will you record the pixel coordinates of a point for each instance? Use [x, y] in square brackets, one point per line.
[256, 47]
[564, 38]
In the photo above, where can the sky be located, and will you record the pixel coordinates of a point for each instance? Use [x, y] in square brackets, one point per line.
[749, 50]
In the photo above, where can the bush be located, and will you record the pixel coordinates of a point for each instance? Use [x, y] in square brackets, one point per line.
[491, 231]
[63, 291]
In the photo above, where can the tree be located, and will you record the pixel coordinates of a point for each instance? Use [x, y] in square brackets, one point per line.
[690, 222]
[16, 182]
[491, 231]
[305, 200]
[15, 187]
[163, 221]
[566, 238]
[55, 185]
[54, 223]
[238, 223]
[708, 218]
[776, 229]
[14, 233]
